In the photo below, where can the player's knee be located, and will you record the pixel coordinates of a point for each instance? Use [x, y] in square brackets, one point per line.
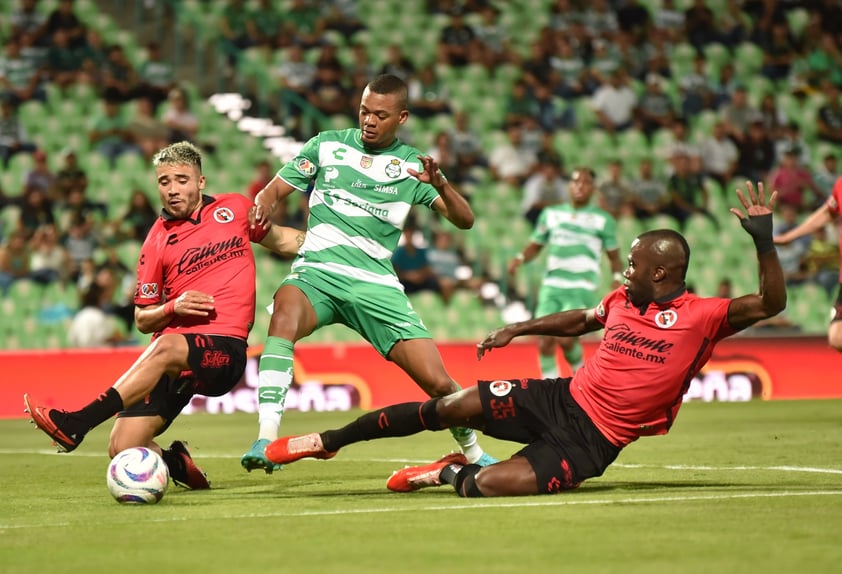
[442, 387]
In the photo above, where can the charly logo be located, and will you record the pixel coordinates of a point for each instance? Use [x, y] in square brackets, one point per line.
[331, 173]
[666, 318]
[223, 215]
[393, 169]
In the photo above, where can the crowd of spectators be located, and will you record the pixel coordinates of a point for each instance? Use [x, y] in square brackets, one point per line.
[671, 127]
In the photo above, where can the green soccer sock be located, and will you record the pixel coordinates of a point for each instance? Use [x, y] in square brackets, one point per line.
[573, 355]
[549, 366]
[273, 382]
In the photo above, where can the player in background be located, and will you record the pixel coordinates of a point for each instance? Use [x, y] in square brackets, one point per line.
[365, 181]
[827, 212]
[657, 336]
[196, 293]
[575, 234]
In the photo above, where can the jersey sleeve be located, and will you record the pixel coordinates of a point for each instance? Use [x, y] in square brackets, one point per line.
[150, 273]
[609, 234]
[603, 309]
[301, 169]
[715, 310]
[541, 231]
[243, 206]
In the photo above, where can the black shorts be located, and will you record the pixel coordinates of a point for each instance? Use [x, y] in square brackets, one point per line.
[564, 446]
[217, 364]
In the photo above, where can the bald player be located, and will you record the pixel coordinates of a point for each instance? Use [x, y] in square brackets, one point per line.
[657, 336]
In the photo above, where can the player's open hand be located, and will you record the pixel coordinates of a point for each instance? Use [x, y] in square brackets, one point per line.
[194, 303]
[430, 173]
[259, 217]
[755, 204]
[496, 338]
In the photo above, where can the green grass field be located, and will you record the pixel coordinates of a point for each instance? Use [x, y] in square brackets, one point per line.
[752, 487]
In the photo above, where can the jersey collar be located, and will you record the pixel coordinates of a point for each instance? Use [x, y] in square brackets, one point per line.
[664, 301]
[206, 200]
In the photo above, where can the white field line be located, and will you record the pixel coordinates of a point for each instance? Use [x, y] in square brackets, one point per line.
[478, 504]
[217, 455]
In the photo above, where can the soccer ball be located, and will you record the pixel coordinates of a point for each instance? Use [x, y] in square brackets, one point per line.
[137, 475]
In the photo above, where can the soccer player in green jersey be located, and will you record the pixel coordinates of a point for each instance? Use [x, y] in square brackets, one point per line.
[365, 181]
[575, 234]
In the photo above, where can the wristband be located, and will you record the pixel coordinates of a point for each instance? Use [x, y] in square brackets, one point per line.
[618, 277]
[520, 257]
[764, 245]
[169, 308]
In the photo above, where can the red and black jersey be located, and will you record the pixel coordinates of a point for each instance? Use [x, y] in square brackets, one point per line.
[209, 252]
[634, 384]
[834, 205]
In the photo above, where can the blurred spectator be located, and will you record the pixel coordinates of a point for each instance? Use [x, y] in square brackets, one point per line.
[700, 25]
[20, 77]
[449, 266]
[725, 289]
[688, 193]
[360, 61]
[145, 130]
[654, 109]
[40, 176]
[520, 104]
[600, 19]
[779, 52]
[295, 75]
[563, 13]
[774, 119]
[14, 260]
[738, 113]
[69, 176]
[790, 138]
[327, 93]
[342, 16]
[614, 103]
[397, 63]
[456, 40]
[511, 161]
[790, 179]
[679, 143]
[412, 266]
[136, 220]
[155, 76]
[36, 210]
[571, 75]
[78, 206]
[650, 195]
[614, 194]
[304, 23]
[80, 243]
[757, 153]
[821, 262]
[545, 186]
[466, 143]
[719, 155]
[108, 130]
[822, 61]
[791, 254]
[94, 57]
[551, 112]
[732, 24]
[27, 18]
[235, 32]
[91, 326]
[428, 95]
[695, 89]
[724, 85]
[830, 115]
[604, 61]
[634, 19]
[65, 63]
[178, 117]
[64, 19]
[492, 46]
[827, 173]
[118, 76]
[669, 20]
[444, 154]
[49, 260]
[263, 174]
[538, 66]
[13, 136]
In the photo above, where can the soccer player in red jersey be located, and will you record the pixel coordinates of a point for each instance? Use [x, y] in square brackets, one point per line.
[828, 212]
[196, 293]
[657, 337]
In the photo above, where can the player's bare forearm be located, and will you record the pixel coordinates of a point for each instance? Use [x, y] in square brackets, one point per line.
[153, 318]
[457, 210]
[563, 324]
[770, 300]
[283, 240]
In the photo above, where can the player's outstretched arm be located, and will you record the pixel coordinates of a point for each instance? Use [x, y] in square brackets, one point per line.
[450, 203]
[283, 240]
[819, 218]
[563, 324]
[757, 221]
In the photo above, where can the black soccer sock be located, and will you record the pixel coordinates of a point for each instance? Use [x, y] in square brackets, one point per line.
[95, 413]
[463, 479]
[397, 420]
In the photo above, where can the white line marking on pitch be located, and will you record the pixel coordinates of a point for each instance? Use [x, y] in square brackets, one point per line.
[464, 506]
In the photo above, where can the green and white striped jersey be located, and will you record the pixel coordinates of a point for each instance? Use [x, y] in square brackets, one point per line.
[575, 240]
[359, 203]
